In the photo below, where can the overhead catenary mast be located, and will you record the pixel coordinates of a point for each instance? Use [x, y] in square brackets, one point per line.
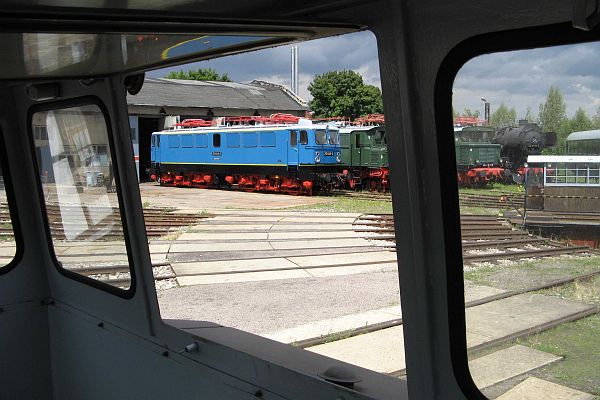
[294, 85]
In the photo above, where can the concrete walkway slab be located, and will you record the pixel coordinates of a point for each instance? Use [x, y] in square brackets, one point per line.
[337, 259]
[227, 246]
[334, 325]
[229, 227]
[350, 270]
[312, 235]
[507, 363]
[312, 227]
[315, 244]
[539, 389]
[504, 319]
[327, 219]
[477, 292]
[223, 236]
[216, 267]
[510, 316]
[380, 351]
[241, 277]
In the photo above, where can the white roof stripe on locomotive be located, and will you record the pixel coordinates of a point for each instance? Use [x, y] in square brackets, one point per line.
[244, 128]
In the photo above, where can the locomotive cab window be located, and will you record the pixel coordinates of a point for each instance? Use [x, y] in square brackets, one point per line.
[303, 137]
[81, 204]
[320, 136]
[528, 187]
[216, 139]
[293, 138]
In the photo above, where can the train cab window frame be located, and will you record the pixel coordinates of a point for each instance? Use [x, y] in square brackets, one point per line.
[216, 140]
[303, 137]
[293, 138]
[12, 211]
[88, 101]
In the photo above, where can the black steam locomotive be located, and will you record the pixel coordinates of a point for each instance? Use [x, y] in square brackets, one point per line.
[519, 142]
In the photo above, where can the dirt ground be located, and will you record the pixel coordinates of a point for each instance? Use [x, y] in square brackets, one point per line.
[206, 199]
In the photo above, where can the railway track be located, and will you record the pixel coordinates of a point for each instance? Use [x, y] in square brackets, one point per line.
[484, 238]
[466, 199]
[159, 222]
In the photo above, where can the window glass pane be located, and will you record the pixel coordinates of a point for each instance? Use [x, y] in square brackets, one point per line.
[530, 263]
[173, 141]
[320, 136]
[293, 139]
[8, 247]
[267, 139]
[79, 192]
[216, 140]
[250, 139]
[233, 140]
[187, 141]
[303, 137]
[201, 140]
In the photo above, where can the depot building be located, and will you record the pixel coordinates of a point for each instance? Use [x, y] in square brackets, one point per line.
[163, 102]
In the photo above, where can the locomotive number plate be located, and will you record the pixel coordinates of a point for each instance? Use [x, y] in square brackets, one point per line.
[328, 153]
[216, 153]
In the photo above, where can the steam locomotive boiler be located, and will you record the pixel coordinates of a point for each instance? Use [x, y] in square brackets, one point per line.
[520, 142]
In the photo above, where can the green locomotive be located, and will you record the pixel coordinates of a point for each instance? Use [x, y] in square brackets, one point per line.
[364, 157]
[478, 161]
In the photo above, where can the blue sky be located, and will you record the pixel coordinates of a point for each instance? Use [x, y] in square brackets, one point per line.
[520, 79]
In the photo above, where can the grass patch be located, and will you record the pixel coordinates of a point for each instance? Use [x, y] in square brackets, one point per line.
[523, 274]
[578, 343]
[479, 211]
[498, 188]
[347, 204]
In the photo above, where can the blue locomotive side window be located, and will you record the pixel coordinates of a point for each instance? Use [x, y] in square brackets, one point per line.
[267, 139]
[216, 140]
[187, 141]
[303, 137]
[293, 138]
[173, 141]
[202, 140]
[320, 136]
[153, 141]
[233, 140]
[250, 139]
[157, 140]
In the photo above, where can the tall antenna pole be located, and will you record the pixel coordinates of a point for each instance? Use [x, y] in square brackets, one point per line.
[294, 85]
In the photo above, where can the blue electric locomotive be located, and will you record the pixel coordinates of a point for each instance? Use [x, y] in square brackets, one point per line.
[269, 155]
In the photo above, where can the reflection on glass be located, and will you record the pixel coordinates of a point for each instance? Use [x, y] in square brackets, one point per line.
[8, 246]
[77, 176]
[52, 54]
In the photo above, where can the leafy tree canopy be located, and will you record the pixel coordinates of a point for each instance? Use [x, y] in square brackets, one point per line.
[469, 113]
[553, 111]
[202, 74]
[503, 116]
[343, 93]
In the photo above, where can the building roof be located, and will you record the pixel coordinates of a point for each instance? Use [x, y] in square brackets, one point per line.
[563, 159]
[210, 94]
[584, 135]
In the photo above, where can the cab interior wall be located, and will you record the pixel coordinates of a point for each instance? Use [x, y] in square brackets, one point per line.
[413, 39]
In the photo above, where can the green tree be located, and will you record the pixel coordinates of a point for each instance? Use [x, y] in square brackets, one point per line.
[596, 119]
[469, 113]
[529, 115]
[202, 74]
[581, 121]
[503, 116]
[343, 93]
[553, 111]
